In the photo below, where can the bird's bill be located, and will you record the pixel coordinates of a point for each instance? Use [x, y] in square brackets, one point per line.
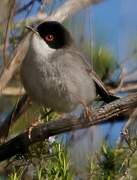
[32, 29]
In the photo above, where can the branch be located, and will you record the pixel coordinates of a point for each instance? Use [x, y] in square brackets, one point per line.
[13, 91]
[26, 6]
[65, 11]
[6, 39]
[40, 17]
[20, 143]
[126, 88]
[70, 8]
[18, 56]
[13, 115]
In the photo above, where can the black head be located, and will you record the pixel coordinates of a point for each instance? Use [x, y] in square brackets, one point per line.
[54, 34]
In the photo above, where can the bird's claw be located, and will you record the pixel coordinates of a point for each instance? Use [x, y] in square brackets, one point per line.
[32, 126]
[88, 113]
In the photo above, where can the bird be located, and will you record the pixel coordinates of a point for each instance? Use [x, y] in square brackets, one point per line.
[56, 74]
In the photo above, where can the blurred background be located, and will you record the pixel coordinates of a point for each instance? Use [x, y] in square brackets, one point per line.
[107, 34]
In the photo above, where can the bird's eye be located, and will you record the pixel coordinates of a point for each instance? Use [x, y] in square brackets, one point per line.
[49, 37]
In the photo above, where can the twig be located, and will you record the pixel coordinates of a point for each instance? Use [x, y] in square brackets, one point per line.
[20, 143]
[11, 118]
[13, 91]
[127, 87]
[26, 6]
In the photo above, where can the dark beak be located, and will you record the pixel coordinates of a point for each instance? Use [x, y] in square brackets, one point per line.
[31, 29]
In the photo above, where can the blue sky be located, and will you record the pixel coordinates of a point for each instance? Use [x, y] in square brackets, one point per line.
[116, 25]
[113, 23]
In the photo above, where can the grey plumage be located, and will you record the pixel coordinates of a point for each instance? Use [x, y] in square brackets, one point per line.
[56, 78]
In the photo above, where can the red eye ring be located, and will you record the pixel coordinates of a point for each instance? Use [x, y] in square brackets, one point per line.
[49, 37]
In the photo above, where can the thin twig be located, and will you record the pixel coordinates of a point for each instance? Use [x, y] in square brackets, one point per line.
[26, 6]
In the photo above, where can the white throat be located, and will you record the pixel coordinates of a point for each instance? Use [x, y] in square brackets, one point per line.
[41, 47]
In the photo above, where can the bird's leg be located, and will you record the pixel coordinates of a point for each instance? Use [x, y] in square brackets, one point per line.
[87, 111]
[34, 124]
[38, 122]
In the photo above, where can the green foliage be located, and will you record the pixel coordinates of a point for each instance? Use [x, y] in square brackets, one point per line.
[107, 164]
[58, 165]
[49, 160]
[16, 175]
[103, 62]
[115, 163]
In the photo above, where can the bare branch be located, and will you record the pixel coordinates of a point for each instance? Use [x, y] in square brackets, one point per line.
[70, 8]
[32, 20]
[20, 143]
[65, 11]
[18, 56]
[13, 91]
[126, 87]
[10, 15]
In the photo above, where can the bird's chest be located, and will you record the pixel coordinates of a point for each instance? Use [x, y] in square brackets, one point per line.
[58, 82]
[43, 80]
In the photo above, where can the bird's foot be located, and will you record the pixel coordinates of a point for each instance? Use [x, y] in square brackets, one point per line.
[33, 125]
[3, 140]
[88, 113]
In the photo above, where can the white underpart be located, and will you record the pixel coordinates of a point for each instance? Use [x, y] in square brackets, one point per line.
[41, 46]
